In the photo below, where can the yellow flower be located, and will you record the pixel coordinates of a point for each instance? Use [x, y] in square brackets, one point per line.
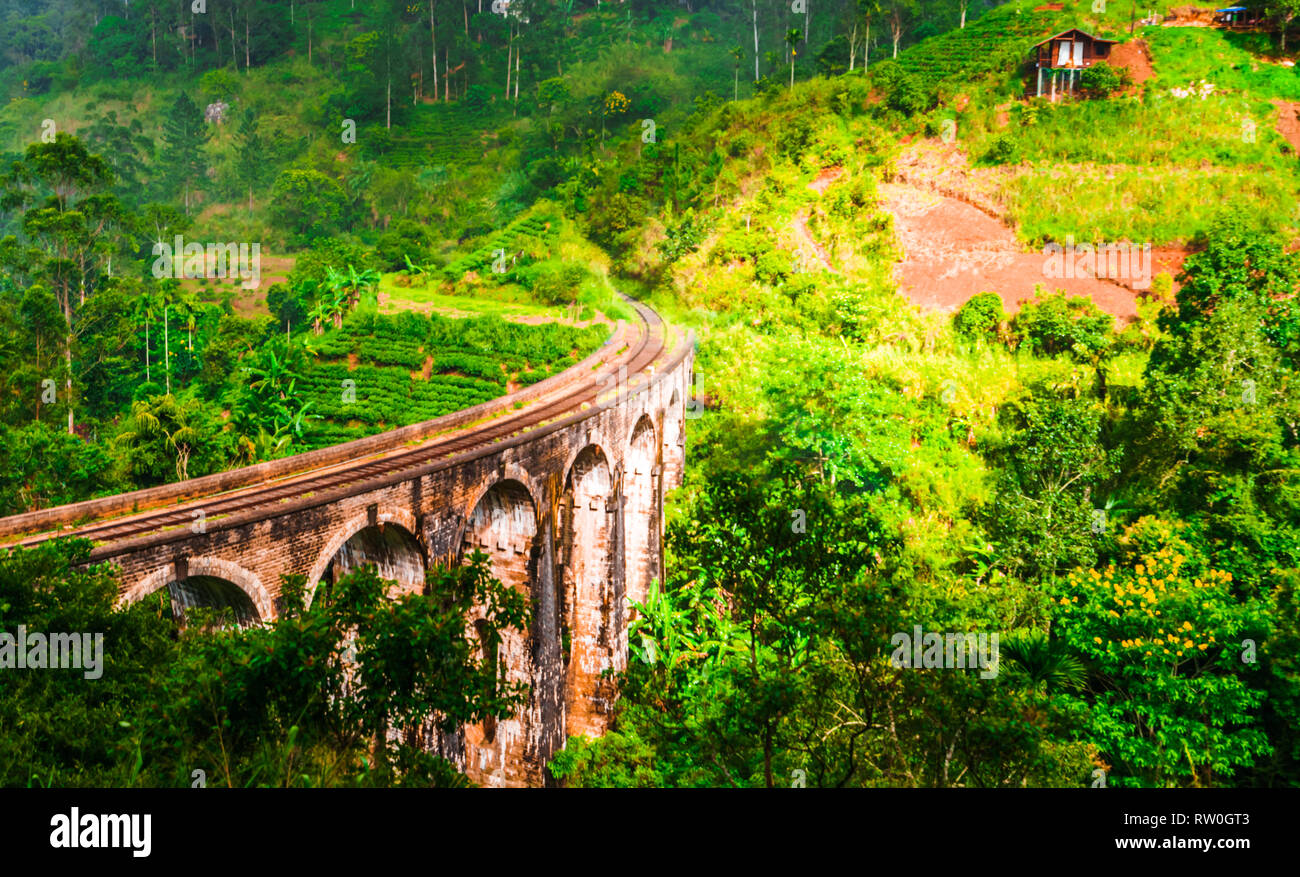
[1097, 640]
[1201, 647]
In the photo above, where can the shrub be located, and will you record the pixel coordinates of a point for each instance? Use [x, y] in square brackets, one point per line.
[979, 316]
[1061, 324]
[1002, 150]
[908, 96]
[1103, 80]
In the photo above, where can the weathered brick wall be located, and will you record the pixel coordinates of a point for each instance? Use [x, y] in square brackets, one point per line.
[571, 515]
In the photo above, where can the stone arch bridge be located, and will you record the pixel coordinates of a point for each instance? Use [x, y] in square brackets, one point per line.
[560, 484]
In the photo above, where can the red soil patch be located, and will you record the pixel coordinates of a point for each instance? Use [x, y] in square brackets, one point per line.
[953, 251]
[806, 240]
[825, 178]
[1135, 57]
[1288, 121]
[1050, 7]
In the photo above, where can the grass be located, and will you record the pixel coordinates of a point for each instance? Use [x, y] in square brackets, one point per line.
[1143, 204]
[1230, 60]
[507, 302]
[1162, 131]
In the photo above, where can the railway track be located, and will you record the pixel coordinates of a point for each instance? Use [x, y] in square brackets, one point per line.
[583, 391]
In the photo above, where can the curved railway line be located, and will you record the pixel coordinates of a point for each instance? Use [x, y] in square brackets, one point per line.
[576, 391]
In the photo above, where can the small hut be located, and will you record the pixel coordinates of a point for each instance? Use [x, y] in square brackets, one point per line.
[1238, 16]
[1060, 59]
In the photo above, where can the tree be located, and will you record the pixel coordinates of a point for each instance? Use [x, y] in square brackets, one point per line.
[861, 11]
[737, 52]
[307, 203]
[792, 37]
[1284, 12]
[184, 134]
[165, 434]
[1169, 699]
[251, 165]
[1042, 516]
[67, 219]
[900, 11]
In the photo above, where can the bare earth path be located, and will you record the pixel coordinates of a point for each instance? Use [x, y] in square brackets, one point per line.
[806, 240]
[954, 251]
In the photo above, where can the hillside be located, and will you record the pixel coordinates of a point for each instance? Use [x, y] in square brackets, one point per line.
[923, 400]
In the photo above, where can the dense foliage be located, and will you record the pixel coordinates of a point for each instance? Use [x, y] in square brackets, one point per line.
[1114, 505]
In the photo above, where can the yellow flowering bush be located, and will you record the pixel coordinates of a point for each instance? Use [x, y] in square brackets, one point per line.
[1162, 639]
[616, 103]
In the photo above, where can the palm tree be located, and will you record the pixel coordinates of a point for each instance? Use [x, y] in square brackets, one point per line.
[167, 420]
[792, 36]
[1047, 663]
[145, 307]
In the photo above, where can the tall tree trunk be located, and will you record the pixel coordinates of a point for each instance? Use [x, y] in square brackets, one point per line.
[247, 52]
[853, 46]
[517, 53]
[510, 47]
[67, 360]
[963, 14]
[433, 42]
[755, 40]
[234, 45]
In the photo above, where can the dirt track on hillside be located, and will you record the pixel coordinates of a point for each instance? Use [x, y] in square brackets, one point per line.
[953, 251]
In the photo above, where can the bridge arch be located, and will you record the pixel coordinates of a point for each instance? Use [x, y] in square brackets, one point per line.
[208, 582]
[640, 522]
[503, 524]
[387, 537]
[591, 589]
[674, 441]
